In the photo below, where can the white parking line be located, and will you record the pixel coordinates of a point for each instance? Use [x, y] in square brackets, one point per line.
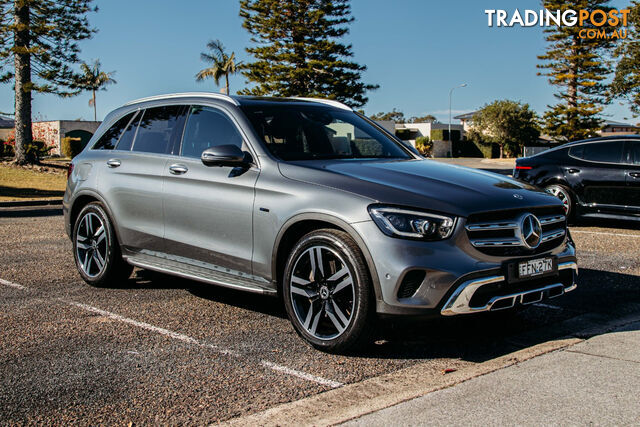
[13, 285]
[187, 339]
[603, 233]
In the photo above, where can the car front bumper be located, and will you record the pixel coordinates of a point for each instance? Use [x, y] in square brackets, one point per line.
[458, 279]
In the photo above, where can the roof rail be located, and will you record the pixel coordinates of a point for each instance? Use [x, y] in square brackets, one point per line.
[331, 102]
[186, 94]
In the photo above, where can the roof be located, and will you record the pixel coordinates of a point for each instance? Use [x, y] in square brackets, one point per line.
[242, 100]
[7, 123]
[620, 124]
[465, 116]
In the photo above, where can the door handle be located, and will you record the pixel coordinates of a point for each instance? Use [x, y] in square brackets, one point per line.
[573, 170]
[113, 163]
[634, 174]
[178, 169]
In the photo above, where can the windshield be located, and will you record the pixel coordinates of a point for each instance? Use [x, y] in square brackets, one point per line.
[294, 132]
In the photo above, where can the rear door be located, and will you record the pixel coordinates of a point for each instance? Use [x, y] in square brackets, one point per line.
[633, 175]
[599, 175]
[209, 209]
[132, 182]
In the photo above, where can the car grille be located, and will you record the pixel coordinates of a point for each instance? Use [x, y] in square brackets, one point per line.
[500, 233]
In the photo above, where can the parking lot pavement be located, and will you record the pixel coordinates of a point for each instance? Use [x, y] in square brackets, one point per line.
[161, 349]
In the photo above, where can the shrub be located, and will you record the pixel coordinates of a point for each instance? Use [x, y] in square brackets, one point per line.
[424, 145]
[6, 150]
[37, 150]
[71, 147]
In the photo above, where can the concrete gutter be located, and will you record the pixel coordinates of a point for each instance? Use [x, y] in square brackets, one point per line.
[23, 203]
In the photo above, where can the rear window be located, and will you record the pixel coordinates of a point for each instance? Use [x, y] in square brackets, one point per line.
[606, 152]
[110, 138]
[156, 128]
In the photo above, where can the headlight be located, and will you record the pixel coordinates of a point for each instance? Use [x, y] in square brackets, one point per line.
[413, 224]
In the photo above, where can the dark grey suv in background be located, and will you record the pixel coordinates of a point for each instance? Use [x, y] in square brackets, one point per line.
[310, 200]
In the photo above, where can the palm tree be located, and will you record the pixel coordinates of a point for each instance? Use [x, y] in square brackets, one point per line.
[221, 64]
[94, 79]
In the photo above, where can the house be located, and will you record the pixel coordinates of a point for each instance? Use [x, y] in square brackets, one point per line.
[616, 128]
[6, 128]
[466, 120]
[411, 131]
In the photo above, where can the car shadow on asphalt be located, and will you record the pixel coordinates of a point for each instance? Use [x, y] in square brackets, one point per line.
[601, 297]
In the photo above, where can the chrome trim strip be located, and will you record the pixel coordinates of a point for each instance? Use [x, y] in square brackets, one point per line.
[498, 225]
[551, 219]
[550, 235]
[220, 96]
[496, 242]
[566, 265]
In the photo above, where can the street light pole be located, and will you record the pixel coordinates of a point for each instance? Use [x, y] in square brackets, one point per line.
[451, 93]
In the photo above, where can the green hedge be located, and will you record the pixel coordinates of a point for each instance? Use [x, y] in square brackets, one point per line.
[443, 135]
[71, 147]
[424, 145]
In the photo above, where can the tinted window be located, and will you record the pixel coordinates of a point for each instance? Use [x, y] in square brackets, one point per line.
[609, 151]
[156, 128]
[207, 127]
[110, 138]
[296, 132]
[634, 152]
[127, 136]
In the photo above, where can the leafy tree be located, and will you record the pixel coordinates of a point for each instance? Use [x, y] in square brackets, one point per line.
[626, 81]
[93, 79]
[42, 38]
[394, 115]
[222, 64]
[423, 119]
[297, 50]
[577, 66]
[509, 124]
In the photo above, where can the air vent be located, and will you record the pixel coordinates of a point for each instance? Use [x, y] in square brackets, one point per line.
[410, 283]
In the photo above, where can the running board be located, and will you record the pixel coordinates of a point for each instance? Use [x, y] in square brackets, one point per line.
[198, 273]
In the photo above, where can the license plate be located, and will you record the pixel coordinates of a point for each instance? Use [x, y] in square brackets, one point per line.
[535, 267]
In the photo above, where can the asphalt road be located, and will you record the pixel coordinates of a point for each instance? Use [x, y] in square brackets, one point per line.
[157, 349]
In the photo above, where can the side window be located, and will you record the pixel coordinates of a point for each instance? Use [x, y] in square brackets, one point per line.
[207, 127]
[156, 129]
[606, 151]
[634, 152]
[126, 140]
[110, 138]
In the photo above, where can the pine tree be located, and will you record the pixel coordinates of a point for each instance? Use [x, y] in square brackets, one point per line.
[578, 67]
[297, 50]
[626, 82]
[41, 37]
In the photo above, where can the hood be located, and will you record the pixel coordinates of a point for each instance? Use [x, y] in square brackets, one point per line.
[425, 184]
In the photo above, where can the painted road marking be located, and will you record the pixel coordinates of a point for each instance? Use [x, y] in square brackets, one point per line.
[605, 233]
[189, 340]
[13, 285]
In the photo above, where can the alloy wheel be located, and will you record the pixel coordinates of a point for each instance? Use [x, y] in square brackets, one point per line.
[322, 292]
[91, 244]
[561, 194]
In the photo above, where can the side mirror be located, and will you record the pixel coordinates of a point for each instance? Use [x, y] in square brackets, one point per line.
[224, 155]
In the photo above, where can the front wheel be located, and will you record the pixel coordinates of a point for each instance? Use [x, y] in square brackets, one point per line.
[96, 249]
[327, 291]
[564, 194]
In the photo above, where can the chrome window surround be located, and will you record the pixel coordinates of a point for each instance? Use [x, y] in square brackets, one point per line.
[459, 302]
[517, 240]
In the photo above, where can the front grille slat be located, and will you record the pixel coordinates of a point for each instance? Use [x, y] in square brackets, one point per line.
[498, 233]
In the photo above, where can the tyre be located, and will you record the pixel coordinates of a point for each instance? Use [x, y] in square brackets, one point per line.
[96, 249]
[327, 292]
[565, 196]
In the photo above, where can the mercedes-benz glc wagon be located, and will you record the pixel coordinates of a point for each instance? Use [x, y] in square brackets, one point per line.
[309, 200]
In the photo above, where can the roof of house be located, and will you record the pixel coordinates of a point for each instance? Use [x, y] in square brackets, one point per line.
[465, 116]
[6, 123]
[614, 123]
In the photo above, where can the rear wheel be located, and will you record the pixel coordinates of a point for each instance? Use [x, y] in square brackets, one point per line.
[96, 249]
[564, 194]
[327, 291]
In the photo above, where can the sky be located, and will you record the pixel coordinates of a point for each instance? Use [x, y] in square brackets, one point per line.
[416, 50]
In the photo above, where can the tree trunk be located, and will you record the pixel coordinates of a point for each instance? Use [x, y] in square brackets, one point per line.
[95, 108]
[24, 136]
[226, 77]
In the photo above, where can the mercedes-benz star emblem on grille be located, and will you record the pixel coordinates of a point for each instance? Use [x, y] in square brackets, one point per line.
[531, 231]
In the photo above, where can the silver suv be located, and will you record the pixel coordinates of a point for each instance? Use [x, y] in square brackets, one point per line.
[309, 200]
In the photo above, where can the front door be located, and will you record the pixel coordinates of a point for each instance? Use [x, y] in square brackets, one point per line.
[633, 176]
[208, 210]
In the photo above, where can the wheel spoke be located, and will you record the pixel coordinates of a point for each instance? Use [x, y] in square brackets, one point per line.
[307, 320]
[315, 254]
[314, 326]
[88, 226]
[340, 286]
[299, 281]
[87, 262]
[99, 234]
[344, 270]
[337, 310]
[304, 292]
[82, 245]
[335, 322]
[98, 259]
